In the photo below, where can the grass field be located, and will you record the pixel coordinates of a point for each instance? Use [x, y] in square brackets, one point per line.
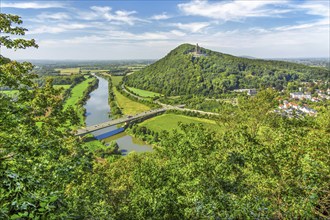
[128, 106]
[169, 122]
[76, 95]
[143, 93]
[116, 80]
[68, 71]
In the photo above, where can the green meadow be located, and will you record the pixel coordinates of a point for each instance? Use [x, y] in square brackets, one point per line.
[116, 80]
[143, 93]
[169, 122]
[128, 106]
[77, 93]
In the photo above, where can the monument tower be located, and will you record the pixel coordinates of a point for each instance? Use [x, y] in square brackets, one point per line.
[197, 50]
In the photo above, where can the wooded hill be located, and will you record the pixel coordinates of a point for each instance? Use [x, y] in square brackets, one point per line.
[181, 73]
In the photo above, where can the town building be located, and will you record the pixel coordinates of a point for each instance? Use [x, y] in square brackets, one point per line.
[300, 95]
[250, 92]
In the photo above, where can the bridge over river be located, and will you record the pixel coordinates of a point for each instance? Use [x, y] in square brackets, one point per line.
[146, 114]
[125, 119]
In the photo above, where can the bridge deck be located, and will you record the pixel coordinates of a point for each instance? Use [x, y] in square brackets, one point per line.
[125, 119]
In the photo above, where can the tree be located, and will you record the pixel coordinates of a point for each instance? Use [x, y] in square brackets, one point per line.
[38, 154]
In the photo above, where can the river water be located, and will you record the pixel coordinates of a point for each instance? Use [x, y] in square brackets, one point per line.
[97, 111]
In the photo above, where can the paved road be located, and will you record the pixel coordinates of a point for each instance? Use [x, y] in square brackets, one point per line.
[193, 110]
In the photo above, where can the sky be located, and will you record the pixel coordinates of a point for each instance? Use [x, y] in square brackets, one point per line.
[127, 29]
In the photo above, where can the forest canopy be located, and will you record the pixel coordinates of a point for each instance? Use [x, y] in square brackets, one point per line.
[181, 73]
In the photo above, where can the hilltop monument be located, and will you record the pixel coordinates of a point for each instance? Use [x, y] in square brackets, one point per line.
[197, 49]
[198, 52]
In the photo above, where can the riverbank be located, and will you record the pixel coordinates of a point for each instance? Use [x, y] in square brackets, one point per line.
[78, 96]
[97, 111]
[115, 111]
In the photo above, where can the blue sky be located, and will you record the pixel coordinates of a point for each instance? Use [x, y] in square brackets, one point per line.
[92, 30]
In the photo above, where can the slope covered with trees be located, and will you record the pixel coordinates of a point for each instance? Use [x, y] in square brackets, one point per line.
[180, 73]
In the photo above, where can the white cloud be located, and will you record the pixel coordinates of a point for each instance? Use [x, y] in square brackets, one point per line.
[117, 17]
[194, 27]
[53, 16]
[32, 5]
[178, 33]
[101, 10]
[320, 8]
[162, 16]
[115, 37]
[231, 10]
[59, 28]
[145, 36]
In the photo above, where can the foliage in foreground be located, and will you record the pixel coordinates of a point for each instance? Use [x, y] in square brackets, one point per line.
[38, 155]
[263, 166]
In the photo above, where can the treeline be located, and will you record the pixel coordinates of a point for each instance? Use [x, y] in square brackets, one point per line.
[66, 80]
[180, 73]
[56, 80]
[82, 101]
[200, 103]
[91, 86]
[145, 134]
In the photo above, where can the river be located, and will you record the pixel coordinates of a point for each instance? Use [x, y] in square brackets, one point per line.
[97, 111]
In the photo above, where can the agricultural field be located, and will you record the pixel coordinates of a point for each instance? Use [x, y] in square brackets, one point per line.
[128, 106]
[68, 71]
[169, 122]
[143, 93]
[94, 71]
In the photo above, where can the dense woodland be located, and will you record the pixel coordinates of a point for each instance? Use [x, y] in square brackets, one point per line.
[181, 73]
[263, 166]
